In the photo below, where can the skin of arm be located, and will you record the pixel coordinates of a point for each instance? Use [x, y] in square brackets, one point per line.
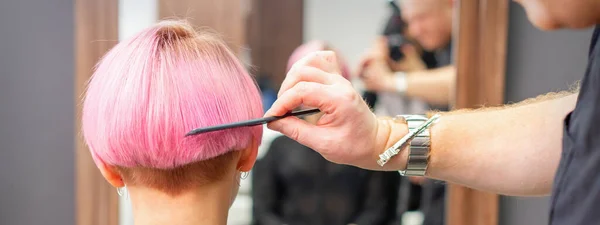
[432, 86]
[511, 150]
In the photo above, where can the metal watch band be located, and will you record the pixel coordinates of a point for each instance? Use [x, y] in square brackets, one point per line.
[419, 139]
[418, 151]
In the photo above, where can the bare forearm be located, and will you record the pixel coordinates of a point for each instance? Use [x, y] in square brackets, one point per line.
[432, 86]
[514, 150]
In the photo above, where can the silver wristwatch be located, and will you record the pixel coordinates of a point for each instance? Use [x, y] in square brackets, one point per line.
[418, 139]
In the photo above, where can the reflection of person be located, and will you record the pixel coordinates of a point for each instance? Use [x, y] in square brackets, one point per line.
[430, 24]
[292, 184]
[512, 150]
[144, 96]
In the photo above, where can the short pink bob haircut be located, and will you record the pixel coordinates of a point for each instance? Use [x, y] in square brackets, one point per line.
[150, 90]
[315, 46]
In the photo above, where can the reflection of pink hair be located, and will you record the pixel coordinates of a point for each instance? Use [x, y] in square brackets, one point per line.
[314, 46]
[150, 90]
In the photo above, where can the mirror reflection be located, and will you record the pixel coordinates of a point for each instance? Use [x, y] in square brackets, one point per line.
[397, 53]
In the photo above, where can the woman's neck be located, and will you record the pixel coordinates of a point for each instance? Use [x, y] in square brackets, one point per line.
[206, 205]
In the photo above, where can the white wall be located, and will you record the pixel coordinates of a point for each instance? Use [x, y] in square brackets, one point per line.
[134, 15]
[350, 26]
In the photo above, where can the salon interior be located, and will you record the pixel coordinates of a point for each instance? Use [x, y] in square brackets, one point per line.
[485, 52]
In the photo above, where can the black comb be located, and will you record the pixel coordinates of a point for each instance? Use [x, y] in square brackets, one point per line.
[249, 123]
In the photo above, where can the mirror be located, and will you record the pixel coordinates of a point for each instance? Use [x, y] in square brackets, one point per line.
[419, 47]
[416, 42]
[134, 16]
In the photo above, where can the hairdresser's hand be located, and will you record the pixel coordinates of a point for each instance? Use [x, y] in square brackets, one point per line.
[377, 76]
[347, 133]
[411, 61]
[379, 51]
[374, 69]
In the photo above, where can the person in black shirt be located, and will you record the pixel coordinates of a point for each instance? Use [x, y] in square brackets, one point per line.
[511, 150]
[429, 79]
[294, 185]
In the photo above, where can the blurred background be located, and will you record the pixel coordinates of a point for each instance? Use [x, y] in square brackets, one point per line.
[48, 50]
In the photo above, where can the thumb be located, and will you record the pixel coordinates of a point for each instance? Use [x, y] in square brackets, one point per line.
[294, 128]
[362, 65]
[332, 63]
[410, 51]
[335, 61]
[381, 43]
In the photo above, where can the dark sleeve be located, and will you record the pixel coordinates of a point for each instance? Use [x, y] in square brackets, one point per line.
[380, 199]
[370, 98]
[409, 199]
[266, 188]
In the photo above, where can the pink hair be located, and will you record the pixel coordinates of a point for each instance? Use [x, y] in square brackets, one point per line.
[150, 90]
[314, 46]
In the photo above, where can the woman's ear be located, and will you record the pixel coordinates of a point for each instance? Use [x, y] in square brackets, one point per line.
[111, 175]
[248, 157]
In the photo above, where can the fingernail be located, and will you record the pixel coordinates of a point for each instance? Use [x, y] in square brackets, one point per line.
[273, 125]
[268, 113]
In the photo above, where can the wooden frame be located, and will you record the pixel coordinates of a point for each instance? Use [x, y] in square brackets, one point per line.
[481, 36]
[275, 29]
[226, 17]
[96, 31]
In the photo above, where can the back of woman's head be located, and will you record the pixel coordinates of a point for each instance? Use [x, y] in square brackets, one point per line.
[150, 90]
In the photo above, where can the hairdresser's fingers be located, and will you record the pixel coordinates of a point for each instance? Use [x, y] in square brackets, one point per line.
[323, 60]
[305, 74]
[381, 46]
[312, 95]
[410, 50]
[374, 70]
[367, 72]
[309, 94]
[318, 138]
[363, 64]
[293, 127]
[379, 51]
[347, 131]
[335, 61]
